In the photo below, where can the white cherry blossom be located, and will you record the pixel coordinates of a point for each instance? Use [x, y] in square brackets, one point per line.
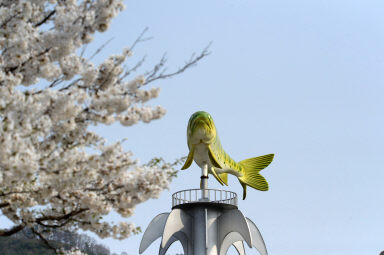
[55, 172]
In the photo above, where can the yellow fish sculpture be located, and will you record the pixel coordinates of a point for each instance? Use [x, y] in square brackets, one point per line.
[205, 149]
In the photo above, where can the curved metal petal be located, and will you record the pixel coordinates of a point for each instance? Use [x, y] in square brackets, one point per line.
[179, 236]
[233, 221]
[162, 250]
[239, 246]
[257, 239]
[235, 239]
[154, 230]
[178, 221]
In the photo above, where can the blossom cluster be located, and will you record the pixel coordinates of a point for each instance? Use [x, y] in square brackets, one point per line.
[54, 171]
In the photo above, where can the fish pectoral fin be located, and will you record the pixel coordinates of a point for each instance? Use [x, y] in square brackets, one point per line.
[212, 157]
[224, 178]
[216, 176]
[189, 160]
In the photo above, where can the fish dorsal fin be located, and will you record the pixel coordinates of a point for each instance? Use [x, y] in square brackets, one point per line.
[212, 157]
[189, 160]
[258, 163]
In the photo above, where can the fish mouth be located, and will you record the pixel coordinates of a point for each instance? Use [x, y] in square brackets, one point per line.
[207, 141]
[201, 141]
[202, 134]
[200, 123]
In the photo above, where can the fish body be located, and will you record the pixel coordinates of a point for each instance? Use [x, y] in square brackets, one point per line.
[205, 149]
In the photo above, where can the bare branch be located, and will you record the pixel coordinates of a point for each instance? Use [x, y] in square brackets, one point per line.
[62, 217]
[140, 39]
[12, 231]
[159, 70]
[83, 50]
[70, 84]
[45, 19]
[100, 48]
[45, 241]
[2, 194]
[4, 205]
[21, 65]
[53, 84]
[133, 69]
[6, 21]
[55, 225]
[153, 73]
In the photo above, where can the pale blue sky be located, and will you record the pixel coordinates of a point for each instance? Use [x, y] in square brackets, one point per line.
[301, 79]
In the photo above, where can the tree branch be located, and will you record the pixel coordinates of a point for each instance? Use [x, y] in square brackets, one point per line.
[45, 19]
[55, 225]
[70, 84]
[62, 217]
[158, 71]
[14, 68]
[133, 69]
[2, 194]
[6, 21]
[45, 241]
[140, 39]
[12, 231]
[4, 205]
[100, 48]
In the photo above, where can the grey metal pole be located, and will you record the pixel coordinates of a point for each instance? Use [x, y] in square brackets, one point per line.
[204, 182]
[200, 231]
[200, 244]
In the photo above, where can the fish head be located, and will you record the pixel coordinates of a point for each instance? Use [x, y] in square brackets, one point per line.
[201, 128]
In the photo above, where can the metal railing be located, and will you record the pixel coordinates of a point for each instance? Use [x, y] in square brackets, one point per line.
[204, 195]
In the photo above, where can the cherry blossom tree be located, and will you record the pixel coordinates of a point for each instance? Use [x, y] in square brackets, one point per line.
[55, 172]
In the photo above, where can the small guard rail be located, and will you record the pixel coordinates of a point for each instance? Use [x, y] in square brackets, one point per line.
[204, 195]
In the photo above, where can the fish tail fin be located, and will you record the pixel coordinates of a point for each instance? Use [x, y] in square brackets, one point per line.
[224, 178]
[244, 189]
[251, 176]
